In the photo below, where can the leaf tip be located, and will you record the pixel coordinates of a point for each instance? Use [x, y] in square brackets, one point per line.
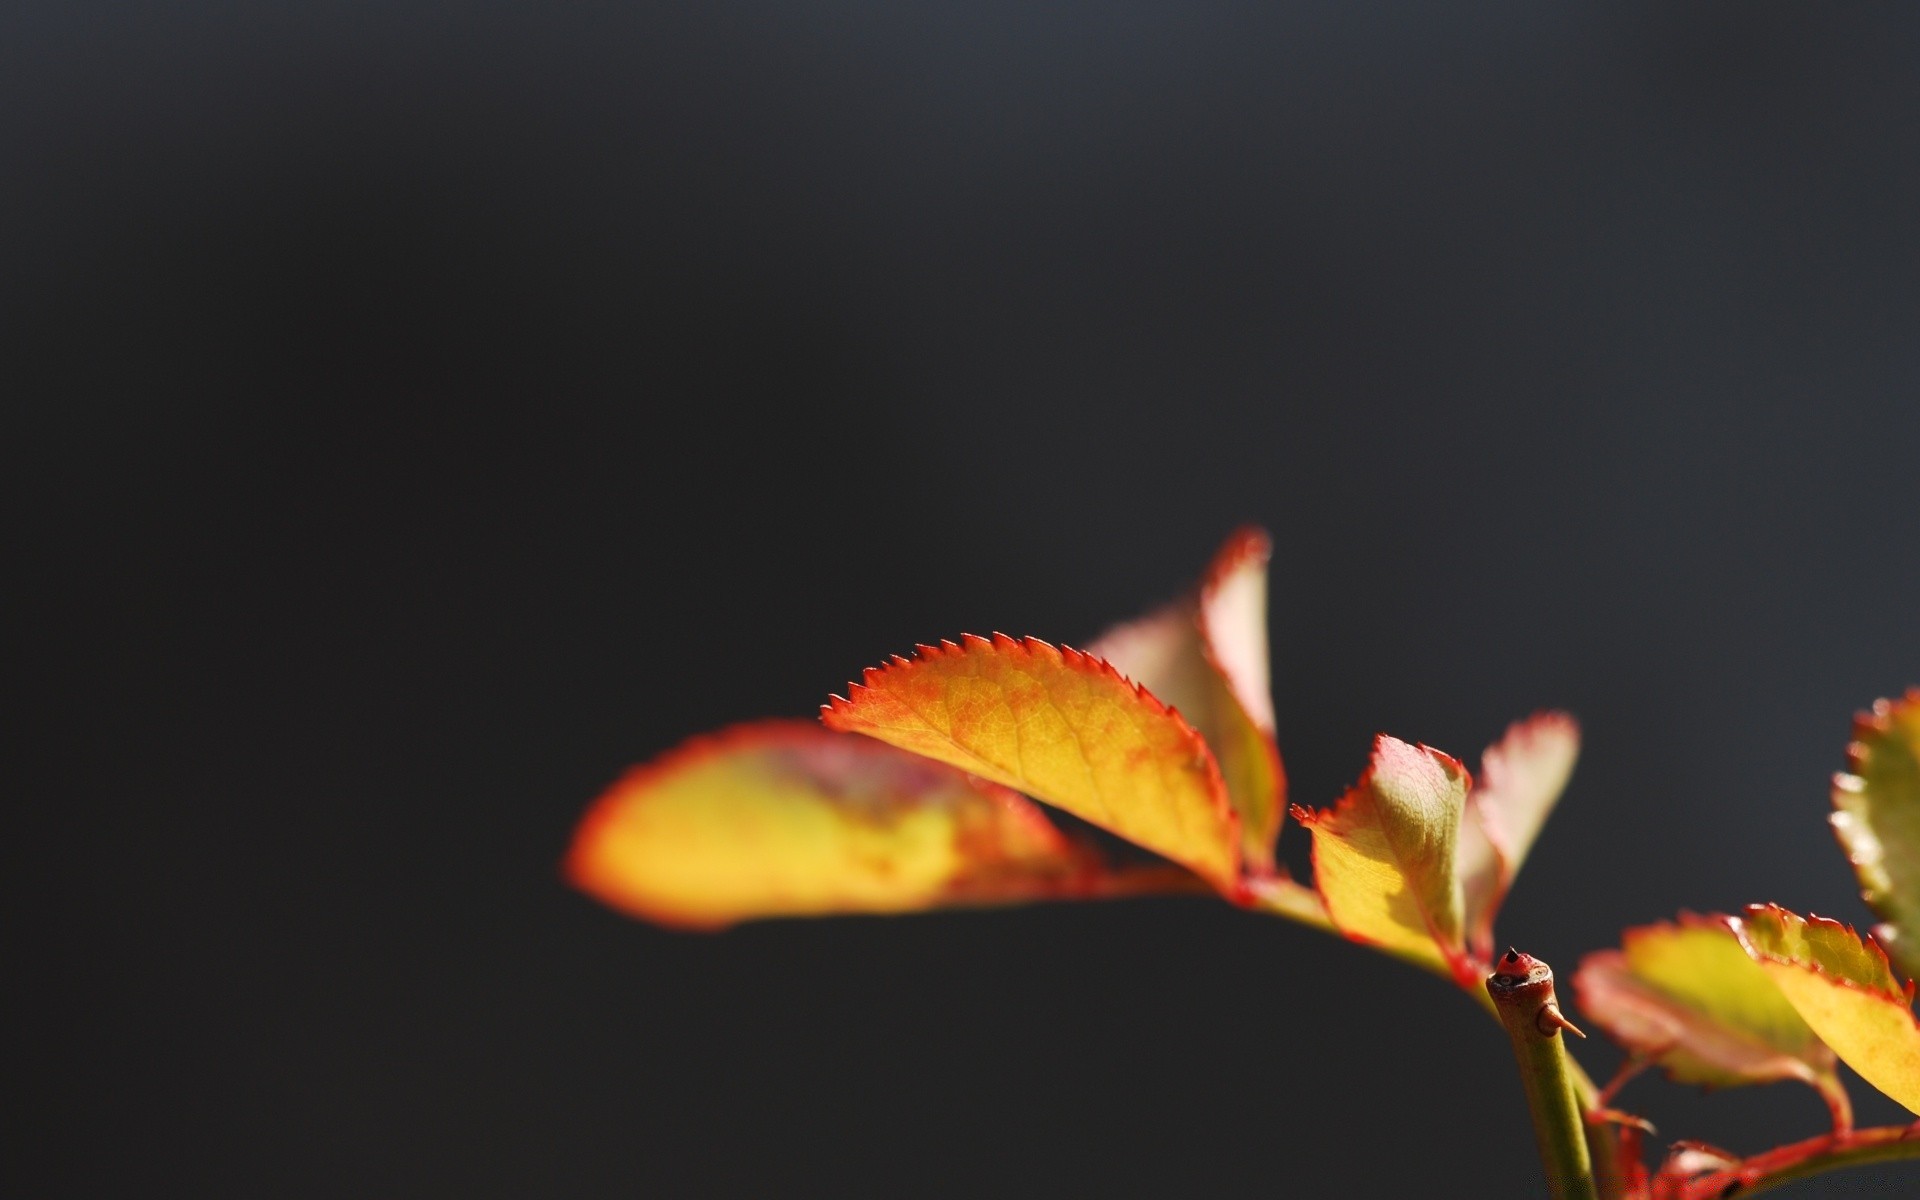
[1249, 545]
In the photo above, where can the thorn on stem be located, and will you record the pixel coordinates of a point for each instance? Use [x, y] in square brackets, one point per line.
[1551, 1021]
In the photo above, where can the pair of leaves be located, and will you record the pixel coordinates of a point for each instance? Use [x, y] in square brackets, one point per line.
[1726, 1001]
[1163, 735]
[1687, 997]
[1206, 656]
[1416, 858]
[788, 819]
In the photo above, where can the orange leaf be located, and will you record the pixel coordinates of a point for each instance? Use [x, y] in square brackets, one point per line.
[1843, 988]
[1383, 857]
[1521, 777]
[1062, 727]
[784, 818]
[1206, 655]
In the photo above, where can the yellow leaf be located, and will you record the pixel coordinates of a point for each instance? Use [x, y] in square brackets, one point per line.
[785, 818]
[1843, 988]
[1206, 655]
[1876, 813]
[1062, 727]
[1383, 857]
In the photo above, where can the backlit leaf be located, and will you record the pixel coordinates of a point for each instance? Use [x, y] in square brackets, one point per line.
[1206, 655]
[1383, 857]
[1843, 988]
[1686, 997]
[1877, 817]
[1521, 776]
[1062, 727]
[785, 818]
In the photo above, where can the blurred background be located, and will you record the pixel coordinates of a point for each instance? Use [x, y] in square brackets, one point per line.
[417, 413]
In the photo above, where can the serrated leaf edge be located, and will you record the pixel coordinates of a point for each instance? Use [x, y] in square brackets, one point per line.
[1465, 968]
[1075, 660]
[1904, 999]
[1874, 724]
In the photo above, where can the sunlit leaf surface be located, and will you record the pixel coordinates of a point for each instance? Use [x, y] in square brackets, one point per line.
[1844, 989]
[785, 818]
[1521, 777]
[1383, 857]
[1062, 727]
[1686, 997]
[1877, 817]
[1206, 655]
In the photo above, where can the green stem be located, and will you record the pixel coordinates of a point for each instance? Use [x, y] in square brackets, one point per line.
[1617, 1171]
[1521, 988]
[1803, 1160]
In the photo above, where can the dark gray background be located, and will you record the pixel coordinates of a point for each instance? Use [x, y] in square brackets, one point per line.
[416, 413]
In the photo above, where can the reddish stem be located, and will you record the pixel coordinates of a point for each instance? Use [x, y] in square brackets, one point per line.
[1785, 1164]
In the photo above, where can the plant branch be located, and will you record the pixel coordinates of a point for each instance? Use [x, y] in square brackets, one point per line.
[1614, 1146]
[1521, 988]
[1802, 1160]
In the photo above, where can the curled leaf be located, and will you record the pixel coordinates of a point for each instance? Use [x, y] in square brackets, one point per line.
[1521, 777]
[1063, 727]
[1383, 857]
[1843, 988]
[1686, 997]
[1876, 815]
[784, 818]
[1206, 655]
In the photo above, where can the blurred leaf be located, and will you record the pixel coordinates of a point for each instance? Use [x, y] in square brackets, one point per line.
[1062, 727]
[1686, 997]
[1383, 857]
[785, 818]
[1877, 817]
[1842, 986]
[1206, 655]
[1521, 777]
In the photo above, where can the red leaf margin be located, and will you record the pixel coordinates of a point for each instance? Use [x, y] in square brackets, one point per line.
[838, 711]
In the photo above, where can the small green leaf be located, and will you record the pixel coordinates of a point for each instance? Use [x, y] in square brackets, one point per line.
[1686, 997]
[1876, 814]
